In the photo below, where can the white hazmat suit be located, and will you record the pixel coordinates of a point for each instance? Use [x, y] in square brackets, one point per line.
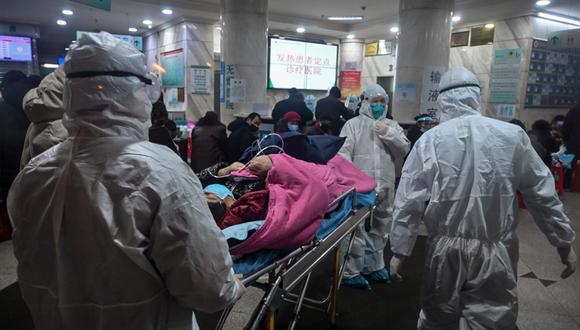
[111, 231]
[469, 168]
[373, 145]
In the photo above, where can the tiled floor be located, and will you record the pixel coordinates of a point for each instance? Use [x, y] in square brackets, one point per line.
[546, 301]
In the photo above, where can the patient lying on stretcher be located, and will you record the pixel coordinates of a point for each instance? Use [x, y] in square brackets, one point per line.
[292, 203]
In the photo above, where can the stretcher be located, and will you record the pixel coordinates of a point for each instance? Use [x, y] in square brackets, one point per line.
[294, 270]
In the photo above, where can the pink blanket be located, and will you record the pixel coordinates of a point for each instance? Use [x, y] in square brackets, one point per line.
[299, 196]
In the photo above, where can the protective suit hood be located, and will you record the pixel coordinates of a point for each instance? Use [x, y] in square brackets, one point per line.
[105, 93]
[369, 93]
[459, 95]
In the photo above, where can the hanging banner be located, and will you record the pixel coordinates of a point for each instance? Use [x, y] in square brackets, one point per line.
[99, 4]
[200, 79]
[350, 83]
[505, 76]
[430, 89]
[230, 73]
[172, 62]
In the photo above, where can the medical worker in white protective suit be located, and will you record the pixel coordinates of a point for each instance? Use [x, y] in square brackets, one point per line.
[469, 168]
[111, 231]
[373, 144]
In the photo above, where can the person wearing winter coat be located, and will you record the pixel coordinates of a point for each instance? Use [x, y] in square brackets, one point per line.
[208, 142]
[244, 133]
[44, 108]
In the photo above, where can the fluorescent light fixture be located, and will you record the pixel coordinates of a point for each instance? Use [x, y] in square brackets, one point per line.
[50, 65]
[344, 18]
[167, 11]
[300, 29]
[219, 28]
[67, 49]
[559, 19]
[132, 29]
[456, 18]
[149, 26]
[542, 3]
[350, 36]
[489, 26]
[147, 22]
[394, 29]
[61, 22]
[67, 12]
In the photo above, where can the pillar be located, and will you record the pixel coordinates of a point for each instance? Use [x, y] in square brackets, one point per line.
[244, 54]
[422, 56]
[351, 64]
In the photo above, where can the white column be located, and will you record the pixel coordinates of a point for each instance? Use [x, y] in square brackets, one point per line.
[351, 62]
[244, 55]
[424, 42]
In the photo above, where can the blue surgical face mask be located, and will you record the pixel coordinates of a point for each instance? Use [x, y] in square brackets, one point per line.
[378, 109]
[293, 127]
[219, 190]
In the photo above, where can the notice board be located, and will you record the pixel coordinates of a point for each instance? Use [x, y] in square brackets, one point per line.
[554, 76]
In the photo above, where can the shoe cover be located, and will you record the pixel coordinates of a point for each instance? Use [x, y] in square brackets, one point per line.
[357, 282]
[381, 276]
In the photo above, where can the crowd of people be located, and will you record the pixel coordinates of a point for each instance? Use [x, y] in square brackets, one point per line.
[126, 233]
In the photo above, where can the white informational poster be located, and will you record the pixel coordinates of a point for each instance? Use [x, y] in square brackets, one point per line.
[200, 79]
[303, 65]
[237, 91]
[505, 75]
[406, 92]
[430, 88]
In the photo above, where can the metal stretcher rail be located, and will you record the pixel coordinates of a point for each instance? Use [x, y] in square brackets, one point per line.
[295, 268]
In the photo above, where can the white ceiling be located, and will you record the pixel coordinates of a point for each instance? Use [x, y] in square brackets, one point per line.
[284, 16]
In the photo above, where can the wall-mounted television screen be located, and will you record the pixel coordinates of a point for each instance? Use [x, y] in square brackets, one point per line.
[15, 49]
[300, 64]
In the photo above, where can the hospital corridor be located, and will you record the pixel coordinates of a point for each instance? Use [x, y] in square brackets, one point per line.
[266, 164]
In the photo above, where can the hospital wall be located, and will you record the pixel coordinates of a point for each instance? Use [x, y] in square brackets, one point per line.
[517, 32]
[196, 41]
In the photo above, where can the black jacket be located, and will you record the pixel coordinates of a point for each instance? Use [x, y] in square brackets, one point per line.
[413, 134]
[207, 146]
[330, 108]
[289, 105]
[571, 131]
[13, 126]
[243, 135]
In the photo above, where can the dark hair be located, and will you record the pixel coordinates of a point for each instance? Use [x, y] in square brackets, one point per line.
[558, 118]
[11, 77]
[519, 123]
[253, 115]
[296, 96]
[334, 91]
[292, 90]
[217, 209]
[210, 119]
[159, 112]
[541, 125]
